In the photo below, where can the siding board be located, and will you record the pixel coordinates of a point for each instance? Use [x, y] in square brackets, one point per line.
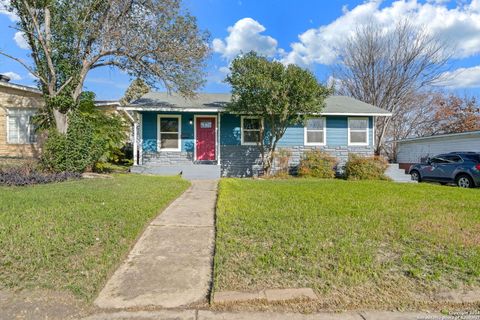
[416, 151]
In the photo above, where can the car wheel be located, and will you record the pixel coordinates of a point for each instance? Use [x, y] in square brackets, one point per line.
[464, 181]
[415, 176]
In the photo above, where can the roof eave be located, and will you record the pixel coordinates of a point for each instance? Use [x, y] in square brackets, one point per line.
[357, 114]
[439, 136]
[139, 108]
[20, 87]
[170, 109]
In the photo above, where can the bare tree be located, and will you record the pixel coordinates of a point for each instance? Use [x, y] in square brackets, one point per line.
[431, 112]
[386, 67]
[415, 118]
[155, 40]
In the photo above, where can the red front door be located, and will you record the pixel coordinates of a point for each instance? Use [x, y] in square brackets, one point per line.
[205, 138]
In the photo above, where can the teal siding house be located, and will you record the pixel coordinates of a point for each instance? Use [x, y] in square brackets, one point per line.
[173, 132]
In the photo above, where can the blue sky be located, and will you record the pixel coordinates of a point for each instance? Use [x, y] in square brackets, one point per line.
[306, 32]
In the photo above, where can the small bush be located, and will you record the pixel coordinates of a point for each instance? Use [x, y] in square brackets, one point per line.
[317, 164]
[365, 168]
[73, 152]
[30, 174]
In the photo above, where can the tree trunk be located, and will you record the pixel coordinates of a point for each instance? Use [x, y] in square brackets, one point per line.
[268, 162]
[61, 121]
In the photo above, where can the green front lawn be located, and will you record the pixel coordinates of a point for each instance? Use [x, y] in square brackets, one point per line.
[370, 244]
[72, 235]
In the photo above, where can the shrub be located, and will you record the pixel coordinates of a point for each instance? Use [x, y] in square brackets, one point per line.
[317, 164]
[75, 151]
[92, 136]
[365, 168]
[29, 174]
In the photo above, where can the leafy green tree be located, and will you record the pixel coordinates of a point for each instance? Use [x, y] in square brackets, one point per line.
[155, 40]
[280, 95]
[137, 88]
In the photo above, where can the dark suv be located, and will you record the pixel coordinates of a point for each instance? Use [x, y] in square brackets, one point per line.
[461, 168]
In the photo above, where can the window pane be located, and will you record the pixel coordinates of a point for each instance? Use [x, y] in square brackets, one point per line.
[169, 141]
[358, 137]
[453, 159]
[315, 137]
[31, 127]
[24, 122]
[358, 124]
[169, 125]
[438, 160]
[315, 124]
[12, 129]
[251, 136]
[206, 124]
[251, 124]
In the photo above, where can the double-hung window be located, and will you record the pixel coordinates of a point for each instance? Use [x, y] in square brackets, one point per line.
[169, 132]
[315, 132]
[358, 131]
[20, 128]
[251, 127]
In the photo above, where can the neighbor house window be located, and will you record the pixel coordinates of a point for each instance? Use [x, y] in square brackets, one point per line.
[20, 128]
[358, 131]
[169, 133]
[315, 132]
[251, 130]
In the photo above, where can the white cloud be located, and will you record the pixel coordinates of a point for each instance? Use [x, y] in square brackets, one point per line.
[459, 26]
[3, 10]
[12, 75]
[20, 40]
[244, 36]
[461, 78]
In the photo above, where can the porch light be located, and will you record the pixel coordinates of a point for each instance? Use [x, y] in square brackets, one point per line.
[190, 121]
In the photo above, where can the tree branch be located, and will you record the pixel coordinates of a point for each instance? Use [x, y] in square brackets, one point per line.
[26, 66]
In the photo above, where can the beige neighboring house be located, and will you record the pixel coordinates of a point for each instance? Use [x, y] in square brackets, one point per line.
[18, 104]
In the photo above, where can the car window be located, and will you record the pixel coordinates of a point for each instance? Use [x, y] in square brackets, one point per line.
[452, 159]
[474, 157]
[438, 159]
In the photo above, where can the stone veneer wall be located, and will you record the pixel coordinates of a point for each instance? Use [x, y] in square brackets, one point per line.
[244, 161]
[168, 158]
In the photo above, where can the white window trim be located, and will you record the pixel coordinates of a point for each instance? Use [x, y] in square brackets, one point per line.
[367, 131]
[159, 140]
[8, 115]
[195, 134]
[241, 129]
[305, 130]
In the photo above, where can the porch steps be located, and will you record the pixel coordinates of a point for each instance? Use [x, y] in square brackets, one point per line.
[188, 171]
[398, 175]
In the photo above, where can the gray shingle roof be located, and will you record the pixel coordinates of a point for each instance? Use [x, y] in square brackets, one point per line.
[344, 105]
[216, 102]
[162, 100]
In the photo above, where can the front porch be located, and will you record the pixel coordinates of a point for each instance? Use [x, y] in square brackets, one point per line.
[189, 171]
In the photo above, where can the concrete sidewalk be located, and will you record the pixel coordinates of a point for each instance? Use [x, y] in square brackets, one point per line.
[171, 264]
[209, 315]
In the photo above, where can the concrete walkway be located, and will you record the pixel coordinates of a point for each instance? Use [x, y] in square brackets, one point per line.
[171, 264]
